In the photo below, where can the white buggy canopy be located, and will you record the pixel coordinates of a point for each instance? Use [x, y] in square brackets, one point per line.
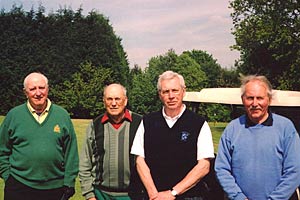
[284, 102]
[233, 96]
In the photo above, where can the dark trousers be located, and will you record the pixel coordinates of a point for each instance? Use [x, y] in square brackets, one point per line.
[294, 196]
[14, 190]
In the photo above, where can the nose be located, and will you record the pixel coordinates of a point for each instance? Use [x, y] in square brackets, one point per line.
[255, 102]
[114, 102]
[38, 92]
[171, 94]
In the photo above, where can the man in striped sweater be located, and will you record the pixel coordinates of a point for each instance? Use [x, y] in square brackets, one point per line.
[105, 162]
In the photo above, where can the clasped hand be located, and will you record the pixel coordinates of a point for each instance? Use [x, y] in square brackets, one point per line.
[163, 195]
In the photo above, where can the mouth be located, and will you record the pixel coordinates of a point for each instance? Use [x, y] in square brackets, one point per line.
[255, 109]
[114, 109]
[38, 97]
[171, 103]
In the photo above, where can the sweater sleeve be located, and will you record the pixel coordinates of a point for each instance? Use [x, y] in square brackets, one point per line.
[290, 178]
[71, 156]
[87, 164]
[224, 171]
[5, 149]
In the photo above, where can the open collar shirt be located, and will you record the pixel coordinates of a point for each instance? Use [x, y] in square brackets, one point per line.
[205, 148]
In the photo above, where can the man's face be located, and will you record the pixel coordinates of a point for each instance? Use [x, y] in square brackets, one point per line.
[256, 101]
[115, 101]
[171, 94]
[37, 91]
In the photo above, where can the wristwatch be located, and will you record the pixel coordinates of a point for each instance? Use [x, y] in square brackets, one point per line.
[174, 192]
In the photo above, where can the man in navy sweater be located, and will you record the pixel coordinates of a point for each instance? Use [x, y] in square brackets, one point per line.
[258, 156]
[173, 146]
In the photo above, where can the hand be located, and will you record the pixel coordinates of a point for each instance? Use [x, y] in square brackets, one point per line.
[93, 198]
[165, 195]
[68, 192]
[153, 197]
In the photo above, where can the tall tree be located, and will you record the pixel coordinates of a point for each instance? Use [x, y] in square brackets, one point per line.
[55, 44]
[143, 96]
[144, 92]
[82, 95]
[207, 64]
[195, 77]
[229, 78]
[267, 33]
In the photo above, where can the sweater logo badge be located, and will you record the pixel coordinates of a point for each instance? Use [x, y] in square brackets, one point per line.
[56, 129]
[184, 136]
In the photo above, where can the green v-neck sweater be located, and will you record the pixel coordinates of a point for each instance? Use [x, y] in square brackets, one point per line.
[41, 156]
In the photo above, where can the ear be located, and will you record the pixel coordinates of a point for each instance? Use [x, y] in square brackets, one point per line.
[25, 93]
[160, 96]
[125, 101]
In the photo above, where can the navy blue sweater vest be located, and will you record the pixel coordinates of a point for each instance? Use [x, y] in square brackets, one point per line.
[171, 153]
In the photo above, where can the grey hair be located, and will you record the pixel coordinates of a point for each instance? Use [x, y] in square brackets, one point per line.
[27, 77]
[262, 79]
[117, 84]
[167, 75]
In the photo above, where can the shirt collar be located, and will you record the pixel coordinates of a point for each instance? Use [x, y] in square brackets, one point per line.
[173, 118]
[127, 116]
[267, 122]
[32, 110]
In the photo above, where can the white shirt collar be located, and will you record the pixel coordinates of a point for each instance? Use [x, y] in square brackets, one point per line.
[172, 120]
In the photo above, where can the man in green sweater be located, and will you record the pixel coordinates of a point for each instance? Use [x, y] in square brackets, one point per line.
[38, 147]
[105, 162]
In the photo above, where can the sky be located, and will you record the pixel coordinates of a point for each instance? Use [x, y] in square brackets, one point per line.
[149, 28]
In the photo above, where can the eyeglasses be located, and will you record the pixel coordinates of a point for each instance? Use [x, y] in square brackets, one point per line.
[173, 91]
[118, 100]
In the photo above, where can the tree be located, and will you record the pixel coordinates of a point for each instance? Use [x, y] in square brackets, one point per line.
[144, 97]
[207, 64]
[82, 96]
[195, 78]
[55, 45]
[217, 113]
[229, 78]
[267, 35]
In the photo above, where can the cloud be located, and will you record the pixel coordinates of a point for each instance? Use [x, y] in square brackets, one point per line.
[150, 28]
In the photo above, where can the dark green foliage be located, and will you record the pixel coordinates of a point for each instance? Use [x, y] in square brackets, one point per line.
[144, 97]
[55, 45]
[81, 54]
[196, 67]
[195, 77]
[207, 64]
[267, 34]
[229, 78]
[217, 112]
[82, 96]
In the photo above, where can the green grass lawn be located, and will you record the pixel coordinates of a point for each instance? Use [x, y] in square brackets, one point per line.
[80, 128]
